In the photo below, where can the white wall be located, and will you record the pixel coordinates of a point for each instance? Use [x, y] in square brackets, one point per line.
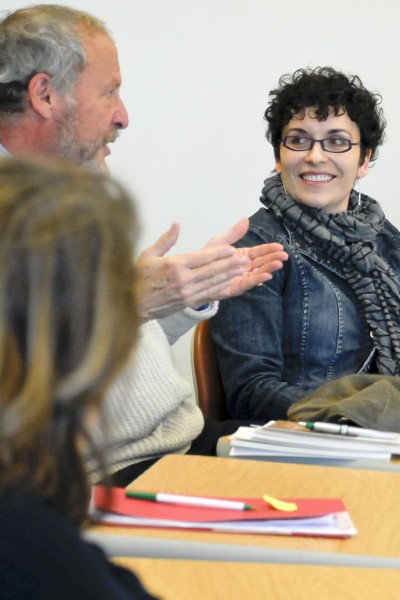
[196, 81]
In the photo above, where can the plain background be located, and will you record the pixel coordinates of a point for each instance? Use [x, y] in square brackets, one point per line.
[196, 78]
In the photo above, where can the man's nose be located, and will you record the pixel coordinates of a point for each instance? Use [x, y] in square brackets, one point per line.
[120, 118]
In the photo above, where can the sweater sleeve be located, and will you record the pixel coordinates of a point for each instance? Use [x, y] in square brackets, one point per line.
[178, 324]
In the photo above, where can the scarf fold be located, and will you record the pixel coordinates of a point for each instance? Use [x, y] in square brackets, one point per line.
[347, 240]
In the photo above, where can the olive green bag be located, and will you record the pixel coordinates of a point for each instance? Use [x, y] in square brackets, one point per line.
[371, 401]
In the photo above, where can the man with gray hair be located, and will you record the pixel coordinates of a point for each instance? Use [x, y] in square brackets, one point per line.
[59, 85]
[60, 96]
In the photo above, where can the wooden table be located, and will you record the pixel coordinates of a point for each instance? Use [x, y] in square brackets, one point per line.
[371, 497]
[204, 580]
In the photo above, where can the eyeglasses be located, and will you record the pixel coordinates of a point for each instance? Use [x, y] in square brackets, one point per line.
[302, 143]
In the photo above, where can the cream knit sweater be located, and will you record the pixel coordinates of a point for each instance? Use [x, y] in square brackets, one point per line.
[151, 409]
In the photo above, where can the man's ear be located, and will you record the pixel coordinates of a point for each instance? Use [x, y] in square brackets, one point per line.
[42, 95]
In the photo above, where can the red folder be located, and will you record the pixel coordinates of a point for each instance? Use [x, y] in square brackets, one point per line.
[116, 501]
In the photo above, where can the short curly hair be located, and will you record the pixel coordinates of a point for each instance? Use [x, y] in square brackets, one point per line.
[325, 89]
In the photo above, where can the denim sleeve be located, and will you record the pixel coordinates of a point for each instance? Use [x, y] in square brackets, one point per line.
[247, 331]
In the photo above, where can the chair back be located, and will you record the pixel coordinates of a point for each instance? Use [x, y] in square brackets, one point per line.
[207, 377]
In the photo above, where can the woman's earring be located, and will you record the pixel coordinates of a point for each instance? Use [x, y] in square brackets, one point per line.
[358, 190]
[283, 185]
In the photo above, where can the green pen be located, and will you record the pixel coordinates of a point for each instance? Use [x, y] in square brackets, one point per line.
[190, 500]
[339, 429]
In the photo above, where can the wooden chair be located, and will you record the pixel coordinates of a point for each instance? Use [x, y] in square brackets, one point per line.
[207, 378]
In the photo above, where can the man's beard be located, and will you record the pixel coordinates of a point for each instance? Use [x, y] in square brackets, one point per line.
[70, 146]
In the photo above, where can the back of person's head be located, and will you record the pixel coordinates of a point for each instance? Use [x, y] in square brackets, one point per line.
[41, 39]
[68, 321]
[325, 90]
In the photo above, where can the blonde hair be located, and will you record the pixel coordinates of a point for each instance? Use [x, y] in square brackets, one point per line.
[67, 319]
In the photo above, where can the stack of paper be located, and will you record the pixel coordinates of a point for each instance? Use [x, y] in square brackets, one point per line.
[323, 517]
[286, 439]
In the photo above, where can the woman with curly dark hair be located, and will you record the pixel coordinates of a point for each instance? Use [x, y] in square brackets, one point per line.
[333, 309]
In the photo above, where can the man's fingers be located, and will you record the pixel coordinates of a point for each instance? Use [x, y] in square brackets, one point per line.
[208, 256]
[265, 250]
[268, 267]
[164, 242]
[230, 284]
[266, 260]
[231, 236]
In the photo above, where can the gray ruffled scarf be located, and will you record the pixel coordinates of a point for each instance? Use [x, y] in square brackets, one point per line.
[347, 240]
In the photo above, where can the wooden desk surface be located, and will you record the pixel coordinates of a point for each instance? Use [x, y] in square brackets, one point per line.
[372, 498]
[199, 580]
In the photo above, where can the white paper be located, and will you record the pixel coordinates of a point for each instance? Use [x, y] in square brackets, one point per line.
[336, 524]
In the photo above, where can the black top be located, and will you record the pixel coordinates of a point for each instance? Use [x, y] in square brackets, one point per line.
[43, 557]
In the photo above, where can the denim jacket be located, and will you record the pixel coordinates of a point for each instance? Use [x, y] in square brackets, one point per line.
[279, 342]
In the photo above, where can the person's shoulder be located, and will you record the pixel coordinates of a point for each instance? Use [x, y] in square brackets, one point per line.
[28, 525]
[264, 228]
[388, 245]
[388, 235]
[389, 228]
[32, 536]
[43, 555]
[26, 509]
